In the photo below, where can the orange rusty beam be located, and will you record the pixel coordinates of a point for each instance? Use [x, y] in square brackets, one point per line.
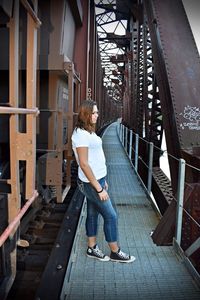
[14, 197]
[30, 136]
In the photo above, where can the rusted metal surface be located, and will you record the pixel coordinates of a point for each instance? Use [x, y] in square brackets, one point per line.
[164, 232]
[77, 11]
[54, 272]
[12, 110]
[22, 143]
[181, 83]
[56, 122]
[14, 197]
[65, 76]
[74, 101]
[31, 12]
[31, 101]
[81, 58]
[191, 231]
[9, 230]
[57, 34]
[161, 189]
[178, 82]
[50, 233]
[113, 48]
[164, 94]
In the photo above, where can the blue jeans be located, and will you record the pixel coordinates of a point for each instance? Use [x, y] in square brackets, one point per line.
[96, 206]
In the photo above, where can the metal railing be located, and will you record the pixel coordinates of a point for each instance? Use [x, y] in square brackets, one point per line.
[12, 226]
[130, 142]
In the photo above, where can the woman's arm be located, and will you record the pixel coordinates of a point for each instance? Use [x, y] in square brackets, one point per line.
[83, 161]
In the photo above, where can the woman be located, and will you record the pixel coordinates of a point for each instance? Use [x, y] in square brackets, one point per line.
[87, 147]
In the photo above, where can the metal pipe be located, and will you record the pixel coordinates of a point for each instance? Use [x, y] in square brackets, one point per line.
[16, 110]
[3, 259]
[16, 220]
[4, 180]
[48, 150]
[48, 110]
[136, 151]
[123, 139]
[88, 49]
[7, 104]
[130, 143]
[126, 139]
[194, 247]
[31, 12]
[150, 167]
[120, 132]
[180, 196]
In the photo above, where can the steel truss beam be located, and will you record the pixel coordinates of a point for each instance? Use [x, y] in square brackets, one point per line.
[178, 92]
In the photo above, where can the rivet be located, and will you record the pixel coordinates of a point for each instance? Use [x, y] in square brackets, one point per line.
[59, 267]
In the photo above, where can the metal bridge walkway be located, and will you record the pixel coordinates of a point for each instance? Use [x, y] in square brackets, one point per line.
[157, 272]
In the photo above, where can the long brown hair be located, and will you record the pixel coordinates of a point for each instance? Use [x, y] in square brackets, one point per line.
[85, 116]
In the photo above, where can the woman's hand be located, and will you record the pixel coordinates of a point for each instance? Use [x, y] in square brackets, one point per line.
[103, 195]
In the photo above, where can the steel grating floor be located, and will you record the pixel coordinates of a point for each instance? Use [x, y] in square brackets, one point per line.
[157, 273]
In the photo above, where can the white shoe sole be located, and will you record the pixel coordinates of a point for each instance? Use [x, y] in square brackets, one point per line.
[106, 258]
[132, 259]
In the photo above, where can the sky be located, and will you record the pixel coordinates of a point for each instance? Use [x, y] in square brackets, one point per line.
[192, 8]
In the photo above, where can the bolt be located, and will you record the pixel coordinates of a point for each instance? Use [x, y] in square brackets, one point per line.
[59, 267]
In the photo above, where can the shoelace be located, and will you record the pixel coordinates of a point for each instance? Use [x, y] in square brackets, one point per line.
[123, 255]
[98, 252]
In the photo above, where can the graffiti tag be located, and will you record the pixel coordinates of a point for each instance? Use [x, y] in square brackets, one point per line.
[192, 114]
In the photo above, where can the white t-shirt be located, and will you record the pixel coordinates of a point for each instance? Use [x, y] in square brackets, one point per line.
[96, 157]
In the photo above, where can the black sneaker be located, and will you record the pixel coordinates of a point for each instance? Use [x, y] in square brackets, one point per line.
[95, 252]
[120, 256]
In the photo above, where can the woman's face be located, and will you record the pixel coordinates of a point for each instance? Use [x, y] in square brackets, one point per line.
[95, 114]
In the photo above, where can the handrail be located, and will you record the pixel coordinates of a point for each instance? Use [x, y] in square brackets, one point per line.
[122, 136]
[16, 110]
[31, 12]
[7, 232]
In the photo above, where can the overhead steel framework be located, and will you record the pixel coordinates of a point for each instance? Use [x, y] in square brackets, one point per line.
[153, 69]
[114, 42]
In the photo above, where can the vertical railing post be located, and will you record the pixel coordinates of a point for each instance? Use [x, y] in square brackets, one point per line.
[118, 127]
[130, 144]
[136, 151]
[123, 135]
[126, 138]
[150, 167]
[180, 196]
[119, 132]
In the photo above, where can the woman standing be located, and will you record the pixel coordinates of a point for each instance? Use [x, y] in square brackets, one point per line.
[87, 147]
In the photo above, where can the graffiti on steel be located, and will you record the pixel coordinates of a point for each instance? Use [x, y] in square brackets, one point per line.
[192, 114]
